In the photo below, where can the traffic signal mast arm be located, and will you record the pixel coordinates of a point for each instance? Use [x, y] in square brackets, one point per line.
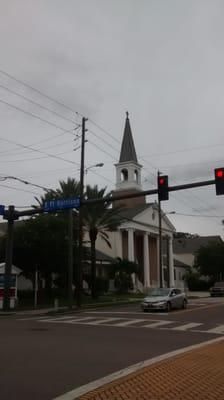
[18, 214]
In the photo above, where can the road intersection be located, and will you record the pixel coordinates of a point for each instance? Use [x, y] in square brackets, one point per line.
[58, 353]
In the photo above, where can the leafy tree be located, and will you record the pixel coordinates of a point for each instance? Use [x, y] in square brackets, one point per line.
[122, 271]
[99, 219]
[210, 260]
[42, 243]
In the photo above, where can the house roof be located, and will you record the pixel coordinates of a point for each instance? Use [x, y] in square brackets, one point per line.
[14, 269]
[191, 245]
[177, 263]
[128, 152]
[100, 256]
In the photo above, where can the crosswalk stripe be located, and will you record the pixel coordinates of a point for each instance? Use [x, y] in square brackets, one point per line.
[187, 326]
[67, 320]
[32, 318]
[158, 324]
[102, 321]
[130, 322]
[219, 329]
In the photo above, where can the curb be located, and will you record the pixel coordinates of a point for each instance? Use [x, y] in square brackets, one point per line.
[65, 310]
[82, 390]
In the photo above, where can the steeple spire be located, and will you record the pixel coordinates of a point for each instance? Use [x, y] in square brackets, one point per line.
[128, 152]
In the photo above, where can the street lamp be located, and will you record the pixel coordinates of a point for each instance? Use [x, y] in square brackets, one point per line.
[98, 165]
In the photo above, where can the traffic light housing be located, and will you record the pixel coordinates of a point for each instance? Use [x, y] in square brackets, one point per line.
[219, 181]
[163, 189]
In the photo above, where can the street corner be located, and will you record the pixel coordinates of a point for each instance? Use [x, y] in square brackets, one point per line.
[195, 372]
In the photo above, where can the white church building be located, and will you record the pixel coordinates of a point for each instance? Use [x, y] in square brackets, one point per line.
[137, 239]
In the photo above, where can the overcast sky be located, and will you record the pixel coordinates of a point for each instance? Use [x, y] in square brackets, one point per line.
[162, 60]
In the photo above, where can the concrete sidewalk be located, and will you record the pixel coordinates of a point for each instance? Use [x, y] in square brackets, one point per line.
[195, 374]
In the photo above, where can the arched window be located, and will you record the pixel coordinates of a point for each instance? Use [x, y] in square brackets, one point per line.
[136, 175]
[124, 175]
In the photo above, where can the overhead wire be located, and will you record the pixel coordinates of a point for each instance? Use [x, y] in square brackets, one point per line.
[37, 104]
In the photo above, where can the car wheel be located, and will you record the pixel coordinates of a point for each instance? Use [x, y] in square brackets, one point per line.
[184, 306]
[168, 307]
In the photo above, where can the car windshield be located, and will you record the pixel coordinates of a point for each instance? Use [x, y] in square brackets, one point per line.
[159, 292]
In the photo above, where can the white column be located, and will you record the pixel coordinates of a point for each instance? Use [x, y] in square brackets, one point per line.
[131, 253]
[146, 262]
[171, 263]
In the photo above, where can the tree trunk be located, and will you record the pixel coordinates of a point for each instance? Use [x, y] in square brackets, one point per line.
[93, 265]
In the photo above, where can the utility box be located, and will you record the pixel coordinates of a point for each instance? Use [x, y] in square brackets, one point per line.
[13, 285]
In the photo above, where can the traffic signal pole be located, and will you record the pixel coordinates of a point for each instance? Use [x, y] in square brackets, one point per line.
[8, 259]
[160, 246]
[70, 259]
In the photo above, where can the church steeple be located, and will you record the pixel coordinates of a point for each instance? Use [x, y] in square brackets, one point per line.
[128, 170]
[128, 152]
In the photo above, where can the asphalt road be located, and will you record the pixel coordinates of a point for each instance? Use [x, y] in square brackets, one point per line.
[43, 357]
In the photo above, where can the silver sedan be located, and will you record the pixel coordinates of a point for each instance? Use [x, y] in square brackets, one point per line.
[164, 299]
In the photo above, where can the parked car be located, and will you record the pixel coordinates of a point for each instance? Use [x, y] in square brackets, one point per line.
[217, 289]
[164, 299]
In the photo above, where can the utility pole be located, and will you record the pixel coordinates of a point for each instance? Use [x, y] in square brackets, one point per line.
[80, 258]
[8, 258]
[70, 259]
[36, 288]
[160, 241]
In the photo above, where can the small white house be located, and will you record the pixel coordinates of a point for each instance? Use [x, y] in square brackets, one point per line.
[13, 287]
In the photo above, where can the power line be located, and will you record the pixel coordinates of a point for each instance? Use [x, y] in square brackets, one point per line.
[20, 190]
[38, 151]
[39, 92]
[183, 150]
[100, 148]
[36, 116]
[104, 130]
[57, 102]
[31, 151]
[37, 104]
[195, 163]
[4, 178]
[36, 158]
[103, 140]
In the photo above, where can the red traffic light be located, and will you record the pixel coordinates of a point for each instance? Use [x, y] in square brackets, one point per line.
[161, 181]
[219, 173]
[219, 181]
[163, 189]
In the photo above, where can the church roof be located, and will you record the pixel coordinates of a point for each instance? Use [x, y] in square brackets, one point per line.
[130, 213]
[128, 152]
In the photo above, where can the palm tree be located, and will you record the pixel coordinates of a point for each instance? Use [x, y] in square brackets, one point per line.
[99, 219]
[66, 190]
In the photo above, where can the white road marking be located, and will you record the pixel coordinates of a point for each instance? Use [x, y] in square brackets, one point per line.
[67, 320]
[130, 322]
[186, 327]
[102, 321]
[32, 318]
[126, 312]
[158, 324]
[219, 329]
